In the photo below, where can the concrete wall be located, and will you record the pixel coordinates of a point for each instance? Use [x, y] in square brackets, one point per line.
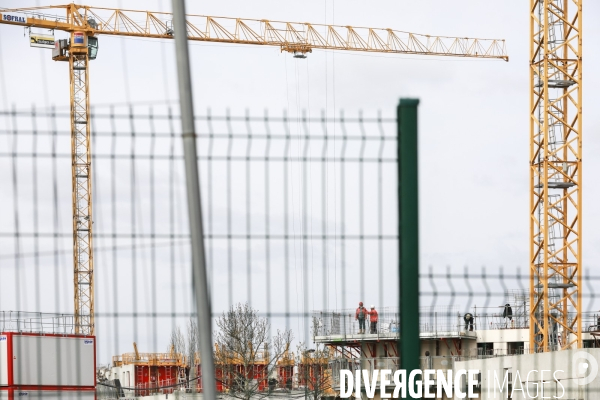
[126, 375]
[567, 366]
[501, 337]
[447, 348]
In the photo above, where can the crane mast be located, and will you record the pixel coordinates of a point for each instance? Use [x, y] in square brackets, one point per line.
[85, 23]
[555, 175]
[81, 165]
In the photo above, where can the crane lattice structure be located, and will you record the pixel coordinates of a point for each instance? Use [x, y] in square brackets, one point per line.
[555, 175]
[85, 23]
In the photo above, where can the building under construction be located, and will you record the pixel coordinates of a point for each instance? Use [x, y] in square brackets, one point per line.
[492, 338]
[143, 374]
[486, 339]
[540, 326]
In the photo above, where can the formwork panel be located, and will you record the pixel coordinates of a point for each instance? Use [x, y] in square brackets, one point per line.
[3, 360]
[53, 361]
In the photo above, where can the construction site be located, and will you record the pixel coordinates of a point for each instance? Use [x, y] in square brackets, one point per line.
[234, 268]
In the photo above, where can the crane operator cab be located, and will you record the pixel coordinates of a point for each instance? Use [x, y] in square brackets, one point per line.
[92, 47]
[80, 41]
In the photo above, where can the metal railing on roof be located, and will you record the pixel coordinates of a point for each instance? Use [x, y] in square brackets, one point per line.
[344, 322]
[433, 320]
[36, 322]
[151, 359]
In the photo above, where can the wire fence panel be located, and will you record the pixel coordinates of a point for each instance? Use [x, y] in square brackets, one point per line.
[301, 223]
[299, 211]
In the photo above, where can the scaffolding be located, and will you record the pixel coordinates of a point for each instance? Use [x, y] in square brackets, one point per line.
[151, 359]
[344, 323]
[440, 319]
[152, 373]
[513, 314]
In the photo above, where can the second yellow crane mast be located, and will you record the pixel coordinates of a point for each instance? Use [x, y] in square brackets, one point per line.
[85, 23]
[555, 175]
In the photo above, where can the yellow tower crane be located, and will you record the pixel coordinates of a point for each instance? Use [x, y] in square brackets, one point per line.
[85, 23]
[555, 175]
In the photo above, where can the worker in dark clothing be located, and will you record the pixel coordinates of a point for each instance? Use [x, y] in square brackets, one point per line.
[361, 315]
[272, 384]
[468, 321]
[373, 318]
[507, 311]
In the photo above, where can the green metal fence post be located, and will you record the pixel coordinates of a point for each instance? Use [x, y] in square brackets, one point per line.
[408, 218]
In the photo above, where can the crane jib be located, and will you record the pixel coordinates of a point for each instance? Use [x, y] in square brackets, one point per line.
[84, 24]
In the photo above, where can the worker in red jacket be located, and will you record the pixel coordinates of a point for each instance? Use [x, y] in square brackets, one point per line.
[361, 315]
[374, 317]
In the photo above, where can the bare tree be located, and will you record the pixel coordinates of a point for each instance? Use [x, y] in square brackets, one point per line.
[245, 356]
[186, 345]
[177, 342]
[178, 346]
[192, 348]
[314, 372]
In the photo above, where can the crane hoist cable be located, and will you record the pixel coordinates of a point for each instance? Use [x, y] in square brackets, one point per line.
[84, 24]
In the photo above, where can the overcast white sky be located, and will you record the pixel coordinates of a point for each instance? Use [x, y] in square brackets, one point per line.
[474, 130]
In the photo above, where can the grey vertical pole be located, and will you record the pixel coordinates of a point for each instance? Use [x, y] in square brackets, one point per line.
[408, 202]
[199, 275]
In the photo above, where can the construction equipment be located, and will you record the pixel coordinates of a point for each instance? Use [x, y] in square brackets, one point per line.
[555, 175]
[137, 353]
[84, 24]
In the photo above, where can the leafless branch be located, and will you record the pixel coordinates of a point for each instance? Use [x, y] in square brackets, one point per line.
[245, 353]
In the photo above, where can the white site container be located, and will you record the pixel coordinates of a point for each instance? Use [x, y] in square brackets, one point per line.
[37, 361]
